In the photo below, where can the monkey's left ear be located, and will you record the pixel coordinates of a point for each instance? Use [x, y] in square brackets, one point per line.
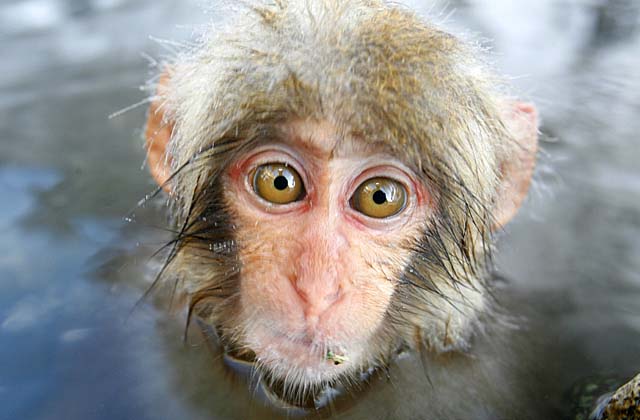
[521, 119]
[158, 135]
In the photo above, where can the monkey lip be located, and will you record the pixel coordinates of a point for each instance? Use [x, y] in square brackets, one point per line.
[309, 355]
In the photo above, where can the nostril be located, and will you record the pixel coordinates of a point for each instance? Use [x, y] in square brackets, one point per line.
[293, 279]
[303, 295]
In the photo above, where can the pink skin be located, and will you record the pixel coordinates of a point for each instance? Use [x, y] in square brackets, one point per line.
[316, 273]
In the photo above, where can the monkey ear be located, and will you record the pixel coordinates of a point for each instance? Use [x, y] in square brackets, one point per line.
[158, 134]
[516, 169]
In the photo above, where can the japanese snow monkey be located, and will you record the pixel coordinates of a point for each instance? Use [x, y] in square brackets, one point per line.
[336, 170]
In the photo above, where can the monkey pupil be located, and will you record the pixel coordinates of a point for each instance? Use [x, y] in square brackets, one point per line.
[379, 197]
[280, 182]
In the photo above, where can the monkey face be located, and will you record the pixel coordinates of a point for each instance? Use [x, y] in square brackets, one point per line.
[335, 185]
[324, 229]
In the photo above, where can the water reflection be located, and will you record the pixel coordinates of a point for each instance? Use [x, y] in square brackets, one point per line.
[71, 269]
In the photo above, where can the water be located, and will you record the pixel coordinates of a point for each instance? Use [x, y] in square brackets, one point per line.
[72, 269]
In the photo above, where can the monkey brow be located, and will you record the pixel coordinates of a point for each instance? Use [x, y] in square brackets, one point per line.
[322, 138]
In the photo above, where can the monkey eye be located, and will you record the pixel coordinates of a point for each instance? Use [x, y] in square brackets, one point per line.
[379, 197]
[277, 183]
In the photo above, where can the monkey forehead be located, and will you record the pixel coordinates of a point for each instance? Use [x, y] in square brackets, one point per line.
[324, 139]
[373, 70]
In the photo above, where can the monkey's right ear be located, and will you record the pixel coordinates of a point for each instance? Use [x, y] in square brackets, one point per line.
[158, 135]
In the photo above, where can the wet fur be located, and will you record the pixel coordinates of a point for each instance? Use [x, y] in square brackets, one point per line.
[378, 73]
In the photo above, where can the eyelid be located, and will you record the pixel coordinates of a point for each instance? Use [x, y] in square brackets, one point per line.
[279, 155]
[384, 171]
[274, 154]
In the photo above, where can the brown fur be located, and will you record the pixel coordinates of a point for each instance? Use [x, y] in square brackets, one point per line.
[376, 73]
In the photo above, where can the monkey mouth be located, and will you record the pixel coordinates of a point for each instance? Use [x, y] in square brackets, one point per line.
[317, 359]
[276, 390]
[307, 394]
[305, 359]
[300, 374]
[275, 350]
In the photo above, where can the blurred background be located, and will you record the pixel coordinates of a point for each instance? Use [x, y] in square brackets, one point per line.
[74, 260]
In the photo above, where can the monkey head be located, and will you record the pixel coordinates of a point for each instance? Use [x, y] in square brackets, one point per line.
[336, 170]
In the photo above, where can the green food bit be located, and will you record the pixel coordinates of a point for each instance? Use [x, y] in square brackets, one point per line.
[337, 359]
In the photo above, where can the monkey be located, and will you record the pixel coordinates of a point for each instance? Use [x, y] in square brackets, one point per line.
[336, 173]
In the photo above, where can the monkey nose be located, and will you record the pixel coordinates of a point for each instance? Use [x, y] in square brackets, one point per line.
[317, 296]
